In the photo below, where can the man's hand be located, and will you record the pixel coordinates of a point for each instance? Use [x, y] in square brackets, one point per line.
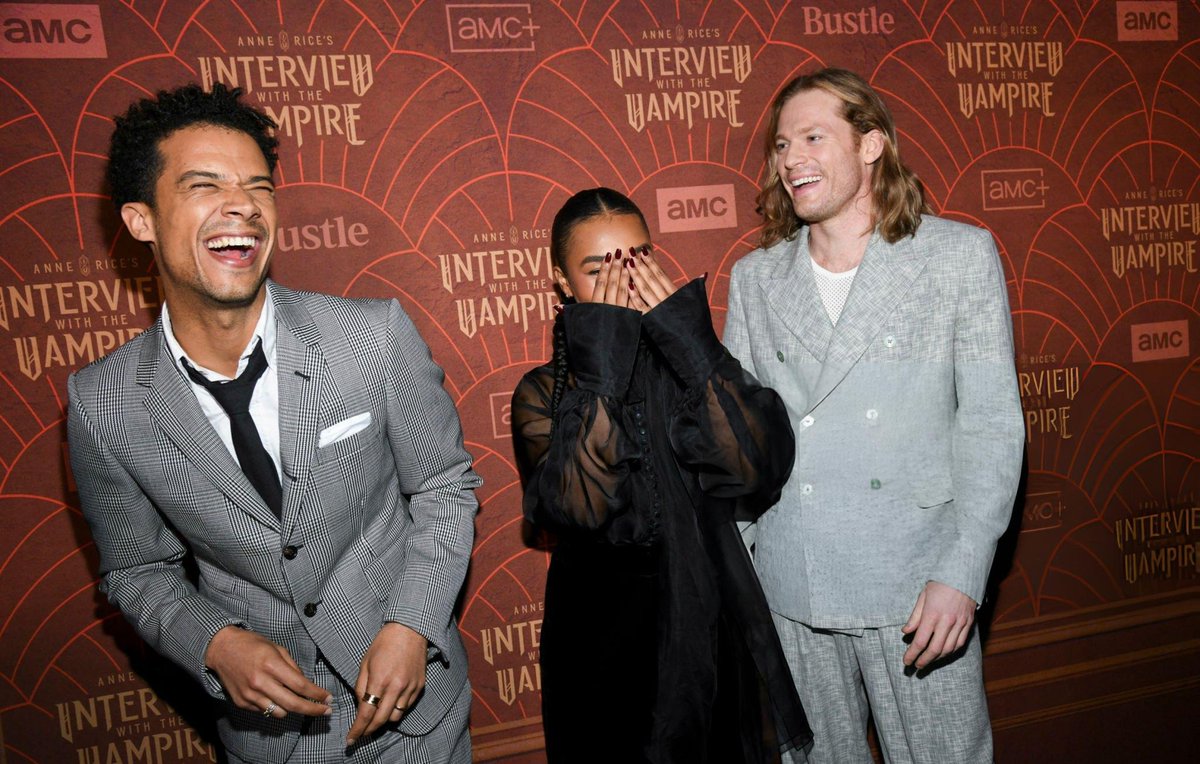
[259, 675]
[941, 621]
[393, 674]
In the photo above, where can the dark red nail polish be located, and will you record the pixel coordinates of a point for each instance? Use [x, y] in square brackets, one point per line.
[618, 254]
[633, 263]
[608, 257]
[632, 288]
[704, 276]
[558, 309]
[646, 251]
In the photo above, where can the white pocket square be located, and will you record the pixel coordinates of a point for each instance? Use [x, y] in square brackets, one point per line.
[344, 429]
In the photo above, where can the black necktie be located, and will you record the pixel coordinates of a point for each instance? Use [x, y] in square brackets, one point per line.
[234, 396]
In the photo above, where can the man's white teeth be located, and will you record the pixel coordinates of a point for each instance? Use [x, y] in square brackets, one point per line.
[232, 242]
[798, 182]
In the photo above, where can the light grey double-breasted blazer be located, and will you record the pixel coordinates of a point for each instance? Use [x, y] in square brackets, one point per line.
[376, 526]
[909, 431]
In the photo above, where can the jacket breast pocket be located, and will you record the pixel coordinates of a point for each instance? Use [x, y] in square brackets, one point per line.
[348, 445]
[933, 493]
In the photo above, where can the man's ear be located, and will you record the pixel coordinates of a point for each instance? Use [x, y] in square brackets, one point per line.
[563, 284]
[139, 219]
[871, 147]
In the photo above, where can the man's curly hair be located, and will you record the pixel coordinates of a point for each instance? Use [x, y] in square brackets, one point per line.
[134, 159]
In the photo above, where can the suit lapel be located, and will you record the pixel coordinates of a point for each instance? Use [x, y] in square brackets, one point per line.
[884, 277]
[302, 373]
[173, 408]
[792, 294]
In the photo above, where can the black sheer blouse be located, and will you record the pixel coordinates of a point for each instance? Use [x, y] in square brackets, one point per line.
[659, 438]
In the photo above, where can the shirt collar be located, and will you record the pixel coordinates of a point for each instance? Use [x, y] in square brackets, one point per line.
[264, 330]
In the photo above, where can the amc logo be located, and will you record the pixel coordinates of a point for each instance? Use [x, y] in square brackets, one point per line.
[490, 27]
[1147, 21]
[1023, 189]
[1160, 340]
[696, 208]
[501, 407]
[38, 30]
[1043, 512]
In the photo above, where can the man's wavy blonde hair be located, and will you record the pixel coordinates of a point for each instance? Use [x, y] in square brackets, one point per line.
[896, 193]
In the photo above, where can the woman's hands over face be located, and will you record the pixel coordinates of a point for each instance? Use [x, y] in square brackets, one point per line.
[632, 279]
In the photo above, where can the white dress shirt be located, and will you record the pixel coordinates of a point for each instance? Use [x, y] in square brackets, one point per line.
[264, 404]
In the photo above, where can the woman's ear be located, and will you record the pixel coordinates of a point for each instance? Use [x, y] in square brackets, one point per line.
[565, 286]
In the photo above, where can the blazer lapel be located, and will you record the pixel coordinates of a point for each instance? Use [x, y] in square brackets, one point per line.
[302, 373]
[884, 277]
[792, 294]
[173, 408]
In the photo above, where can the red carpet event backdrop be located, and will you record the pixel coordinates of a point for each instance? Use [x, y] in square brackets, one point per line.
[425, 149]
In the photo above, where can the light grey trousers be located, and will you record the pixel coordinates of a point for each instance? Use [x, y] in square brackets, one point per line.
[932, 718]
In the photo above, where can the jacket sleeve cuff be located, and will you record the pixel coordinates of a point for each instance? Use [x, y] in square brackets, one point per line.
[602, 342]
[681, 328]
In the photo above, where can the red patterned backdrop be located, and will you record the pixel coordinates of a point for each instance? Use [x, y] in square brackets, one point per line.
[426, 146]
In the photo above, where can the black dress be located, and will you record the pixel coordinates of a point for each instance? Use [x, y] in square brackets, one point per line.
[657, 645]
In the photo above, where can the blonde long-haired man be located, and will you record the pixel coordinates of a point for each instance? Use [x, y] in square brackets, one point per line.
[886, 330]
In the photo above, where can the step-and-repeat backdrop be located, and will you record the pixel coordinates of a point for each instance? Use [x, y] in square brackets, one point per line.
[425, 149]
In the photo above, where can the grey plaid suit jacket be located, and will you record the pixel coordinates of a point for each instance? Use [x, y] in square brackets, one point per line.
[909, 431]
[376, 527]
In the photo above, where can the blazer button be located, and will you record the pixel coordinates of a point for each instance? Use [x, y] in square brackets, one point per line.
[889, 341]
[872, 414]
[875, 484]
[807, 421]
[310, 609]
[779, 355]
[806, 489]
[289, 552]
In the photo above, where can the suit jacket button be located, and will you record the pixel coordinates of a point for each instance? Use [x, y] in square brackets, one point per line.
[875, 484]
[779, 355]
[310, 609]
[289, 552]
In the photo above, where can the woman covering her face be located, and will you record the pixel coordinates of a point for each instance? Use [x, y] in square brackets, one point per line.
[636, 444]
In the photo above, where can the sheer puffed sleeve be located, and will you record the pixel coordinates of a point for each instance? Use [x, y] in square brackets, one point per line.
[730, 430]
[576, 473]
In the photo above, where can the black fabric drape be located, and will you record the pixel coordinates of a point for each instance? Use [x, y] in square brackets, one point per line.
[659, 434]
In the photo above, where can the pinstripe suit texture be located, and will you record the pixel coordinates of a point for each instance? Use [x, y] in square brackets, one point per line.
[381, 522]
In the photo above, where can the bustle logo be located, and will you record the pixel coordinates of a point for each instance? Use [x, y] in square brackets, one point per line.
[1043, 512]
[490, 27]
[1016, 189]
[863, 21]
[1160, 340]
[696, 208]
[1147, 21]
[329, 234]
[39, 30]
